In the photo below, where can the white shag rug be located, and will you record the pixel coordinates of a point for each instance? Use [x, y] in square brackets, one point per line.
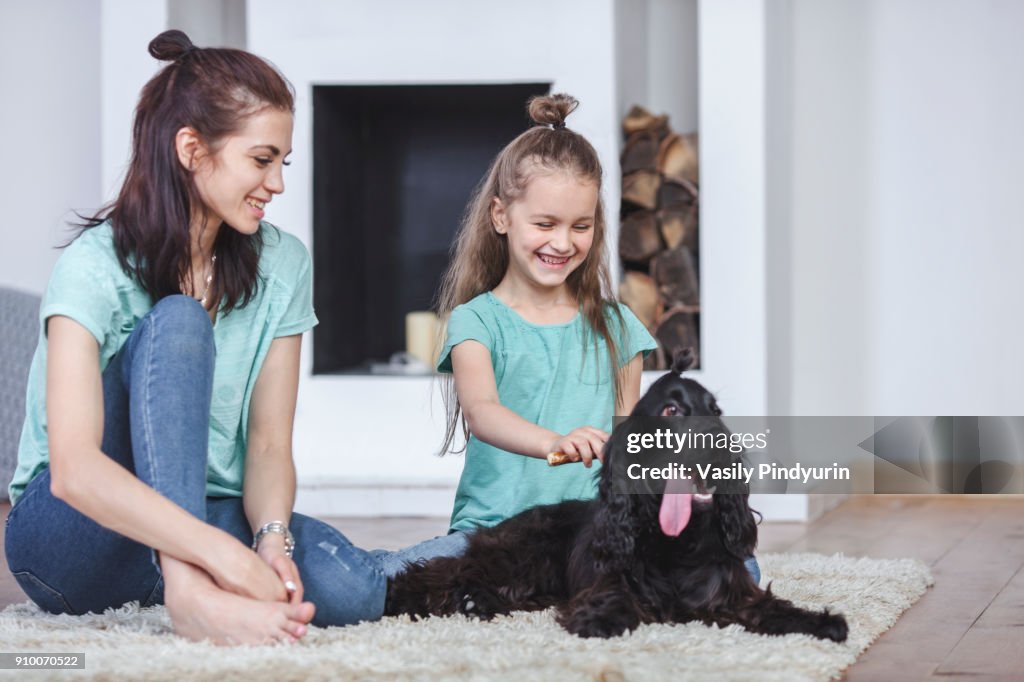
[129, 643]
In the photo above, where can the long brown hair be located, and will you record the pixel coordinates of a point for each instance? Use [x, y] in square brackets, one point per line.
[480, 255]
[214, 91]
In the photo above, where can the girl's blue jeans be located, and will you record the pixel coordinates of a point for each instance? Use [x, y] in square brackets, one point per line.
[156, 400]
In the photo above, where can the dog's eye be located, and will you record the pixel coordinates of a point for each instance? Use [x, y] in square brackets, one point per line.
[670, 411]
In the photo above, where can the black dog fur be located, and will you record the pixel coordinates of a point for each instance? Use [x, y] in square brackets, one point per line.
[607, 566]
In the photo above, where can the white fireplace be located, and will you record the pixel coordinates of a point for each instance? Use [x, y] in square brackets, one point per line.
[365, 444]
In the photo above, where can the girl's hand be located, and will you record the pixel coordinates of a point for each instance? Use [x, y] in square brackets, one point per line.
[271, 550]
[582, 444]
[238, 569]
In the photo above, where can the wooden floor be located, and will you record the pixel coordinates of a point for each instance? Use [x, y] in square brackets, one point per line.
[970, 625]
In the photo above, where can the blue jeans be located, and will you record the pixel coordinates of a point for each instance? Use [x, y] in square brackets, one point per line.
[156, 399]
[451, 545]
[753, 569]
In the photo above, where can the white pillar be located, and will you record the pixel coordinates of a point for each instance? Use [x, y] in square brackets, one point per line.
[732, 196]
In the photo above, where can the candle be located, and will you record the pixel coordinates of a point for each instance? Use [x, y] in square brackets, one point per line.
[421, 336]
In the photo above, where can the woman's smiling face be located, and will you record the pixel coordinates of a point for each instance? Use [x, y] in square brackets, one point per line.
[550, 228]
[239, 178]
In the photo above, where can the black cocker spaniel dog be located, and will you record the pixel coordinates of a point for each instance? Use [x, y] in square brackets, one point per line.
[610, 564]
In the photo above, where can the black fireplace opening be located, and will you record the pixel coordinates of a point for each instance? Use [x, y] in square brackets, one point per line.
[393, 169]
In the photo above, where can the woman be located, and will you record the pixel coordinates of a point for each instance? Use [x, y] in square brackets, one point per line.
[157, 441]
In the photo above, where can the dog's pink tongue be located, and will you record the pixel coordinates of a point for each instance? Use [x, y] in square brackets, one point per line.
[675, 508]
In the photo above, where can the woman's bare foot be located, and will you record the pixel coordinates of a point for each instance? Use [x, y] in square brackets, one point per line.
[200, 610]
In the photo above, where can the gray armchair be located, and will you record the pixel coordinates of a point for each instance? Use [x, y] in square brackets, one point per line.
[19, 332]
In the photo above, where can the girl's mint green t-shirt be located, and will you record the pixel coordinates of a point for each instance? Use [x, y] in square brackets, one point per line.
[89, 286]
[550, 375]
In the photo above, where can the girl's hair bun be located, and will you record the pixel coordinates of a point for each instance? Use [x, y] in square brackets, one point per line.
[170, 45]
[551, 110]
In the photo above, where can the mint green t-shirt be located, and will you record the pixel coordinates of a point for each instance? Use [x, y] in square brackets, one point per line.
[89, 286]
[549, 375]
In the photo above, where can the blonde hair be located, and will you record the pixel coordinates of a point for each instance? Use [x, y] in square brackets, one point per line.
[480, 255]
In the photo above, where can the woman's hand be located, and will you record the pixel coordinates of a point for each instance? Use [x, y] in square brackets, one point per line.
[582, 444]
[236, 568]
[272, 551]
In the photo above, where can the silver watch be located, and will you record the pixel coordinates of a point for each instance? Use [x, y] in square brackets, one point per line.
[276, 527]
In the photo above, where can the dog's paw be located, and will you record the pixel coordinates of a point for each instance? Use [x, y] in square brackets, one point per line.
[477, 605]
[832, 626]
[602, 630]
[584, 623]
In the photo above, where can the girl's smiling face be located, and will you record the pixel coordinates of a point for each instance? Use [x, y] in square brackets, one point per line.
[550, 228]
[240, 177]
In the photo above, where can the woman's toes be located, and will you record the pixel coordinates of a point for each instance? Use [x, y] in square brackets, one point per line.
[302, 613]
[284, 638]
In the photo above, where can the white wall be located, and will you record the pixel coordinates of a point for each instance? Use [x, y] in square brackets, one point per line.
[779, 200]
[944, 221]
[127, 26]
[656, 54]
[69, 98]
[632, 54]
[673, 64]
[50, 117]
[822, 160]
[209, 23]
[901, 139]
[894, 231]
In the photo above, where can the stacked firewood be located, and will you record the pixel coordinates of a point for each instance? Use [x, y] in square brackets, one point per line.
[658, 236]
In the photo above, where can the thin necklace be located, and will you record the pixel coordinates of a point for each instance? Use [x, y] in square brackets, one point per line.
[209, 280]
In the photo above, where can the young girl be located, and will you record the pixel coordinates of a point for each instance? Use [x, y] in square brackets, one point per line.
[542, 356]
[157, 442]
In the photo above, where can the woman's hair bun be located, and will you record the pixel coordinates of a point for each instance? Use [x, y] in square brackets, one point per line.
[551, 110]
[170, 45]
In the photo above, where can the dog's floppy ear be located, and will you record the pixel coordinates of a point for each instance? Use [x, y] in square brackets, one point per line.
[614, 520]
[739, 532]
[682, 360]
[613, 533]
